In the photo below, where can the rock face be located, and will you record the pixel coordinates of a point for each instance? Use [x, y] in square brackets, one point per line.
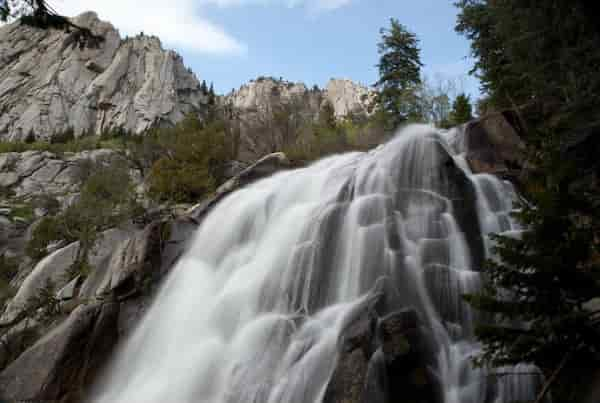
[78, 341]
[259, 105]
[493, 145]
[49, 84]
[383, 360]
[41, 173]
[347, 97]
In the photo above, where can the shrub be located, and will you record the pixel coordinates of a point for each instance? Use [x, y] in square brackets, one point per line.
[106, 200]
[192, 161]
[45, 232]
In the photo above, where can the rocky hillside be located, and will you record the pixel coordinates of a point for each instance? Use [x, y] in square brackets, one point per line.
[345, 96]
[273, 113]
[49, 84]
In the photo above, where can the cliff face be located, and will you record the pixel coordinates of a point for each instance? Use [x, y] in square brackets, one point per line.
[345, 96]
[49, 84]
[272, 113]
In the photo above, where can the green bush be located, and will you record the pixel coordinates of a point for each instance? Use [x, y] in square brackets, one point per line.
[107, 199]
[192, 160]
[45, 232]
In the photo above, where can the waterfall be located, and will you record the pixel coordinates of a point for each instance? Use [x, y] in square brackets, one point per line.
[254, 311]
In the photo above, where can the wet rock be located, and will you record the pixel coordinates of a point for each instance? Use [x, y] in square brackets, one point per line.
[383, 363]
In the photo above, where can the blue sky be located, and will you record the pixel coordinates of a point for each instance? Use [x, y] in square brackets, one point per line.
[230, 42]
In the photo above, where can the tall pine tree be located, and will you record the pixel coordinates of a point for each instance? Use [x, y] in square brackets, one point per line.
[399, 74]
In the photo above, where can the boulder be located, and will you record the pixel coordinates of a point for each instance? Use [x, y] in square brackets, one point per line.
[493, 144]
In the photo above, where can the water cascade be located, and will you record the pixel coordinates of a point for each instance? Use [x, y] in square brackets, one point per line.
[255, 310]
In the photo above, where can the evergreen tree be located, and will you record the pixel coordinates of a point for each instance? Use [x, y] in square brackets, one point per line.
[539, 53]
[204, 88]
[40, 14]
[399, 74]
[462, 111]
[541, 59]
[211, 95]
[542, 286]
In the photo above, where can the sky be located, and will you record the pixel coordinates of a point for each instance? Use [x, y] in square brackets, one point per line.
[229, 42]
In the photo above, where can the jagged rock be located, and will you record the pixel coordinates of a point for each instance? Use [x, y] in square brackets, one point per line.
[134, 261]
[349, 98]
[122, 83]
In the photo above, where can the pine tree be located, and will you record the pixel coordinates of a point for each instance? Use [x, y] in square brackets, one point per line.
[542, 286]
[399, 74]
[204, 88]
[462, 111]
[211, 95]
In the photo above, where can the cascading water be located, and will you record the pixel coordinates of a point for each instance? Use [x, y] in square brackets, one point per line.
[255, 309]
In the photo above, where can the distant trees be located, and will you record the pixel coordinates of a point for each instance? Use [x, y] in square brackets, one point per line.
[462, 111]
[399, 74]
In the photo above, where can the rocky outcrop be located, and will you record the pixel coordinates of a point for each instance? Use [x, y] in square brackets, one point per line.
[493, 145]
[349, 98]
[49, 84]
[270, 111]
[383, 360]
[94, 314]
[33, 174]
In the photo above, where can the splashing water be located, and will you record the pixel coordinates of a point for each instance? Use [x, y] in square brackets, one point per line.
[255, 309]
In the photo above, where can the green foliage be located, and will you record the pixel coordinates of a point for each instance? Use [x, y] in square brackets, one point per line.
[48, 230]
[24, 211]
[462, 111]
[107, 198]
[328, 137]
[192, 160]
[540, 290]
[8, 269]
[46, 300]
[399, 74]
[543, 52]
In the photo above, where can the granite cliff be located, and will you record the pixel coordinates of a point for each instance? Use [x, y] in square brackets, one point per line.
[49, 84]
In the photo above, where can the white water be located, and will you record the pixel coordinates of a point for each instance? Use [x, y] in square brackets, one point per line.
[253, 312]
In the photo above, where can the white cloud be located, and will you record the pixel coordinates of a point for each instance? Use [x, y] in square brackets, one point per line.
[177, 23]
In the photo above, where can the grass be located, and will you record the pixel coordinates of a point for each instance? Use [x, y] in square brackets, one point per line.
[74, 146]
